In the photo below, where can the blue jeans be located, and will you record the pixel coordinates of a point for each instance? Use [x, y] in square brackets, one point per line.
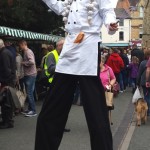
[29, 82]
[124, 78]
[146, 92]
[121, 81]
[133, 80]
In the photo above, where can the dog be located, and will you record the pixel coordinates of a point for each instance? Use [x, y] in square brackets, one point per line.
[141, 111]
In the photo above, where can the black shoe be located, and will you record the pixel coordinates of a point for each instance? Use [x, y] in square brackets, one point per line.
[66, 130]
[6, 125]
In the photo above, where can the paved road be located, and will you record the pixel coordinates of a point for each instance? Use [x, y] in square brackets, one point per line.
[22, 136]
[141, 137]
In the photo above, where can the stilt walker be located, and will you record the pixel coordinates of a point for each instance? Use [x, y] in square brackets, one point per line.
[78, 62]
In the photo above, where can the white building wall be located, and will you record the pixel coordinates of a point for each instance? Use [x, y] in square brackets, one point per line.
[106, 38]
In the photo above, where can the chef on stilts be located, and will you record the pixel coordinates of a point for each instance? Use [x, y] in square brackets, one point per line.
[78, 62]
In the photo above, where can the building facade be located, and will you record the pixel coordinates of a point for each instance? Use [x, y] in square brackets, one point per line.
[137, 14]
[146, 25]
[131, 14]
[122, 37]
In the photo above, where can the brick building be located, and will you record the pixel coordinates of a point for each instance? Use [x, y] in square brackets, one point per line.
[136, 10]
[146, 25]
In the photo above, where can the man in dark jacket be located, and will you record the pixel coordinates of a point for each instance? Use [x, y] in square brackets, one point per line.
[7, 78]
[138, 53]
[124, 71]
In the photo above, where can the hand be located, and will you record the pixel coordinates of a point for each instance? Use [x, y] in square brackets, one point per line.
[108, 87]
[113, 27]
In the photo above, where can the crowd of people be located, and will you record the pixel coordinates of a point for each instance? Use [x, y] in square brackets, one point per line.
[121, 67]
[128, 68]
[18, 70]
[125, 65]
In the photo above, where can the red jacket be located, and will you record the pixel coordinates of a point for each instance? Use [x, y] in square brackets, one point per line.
[115, 62]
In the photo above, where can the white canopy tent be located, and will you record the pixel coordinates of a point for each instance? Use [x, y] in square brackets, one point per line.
[6, 31]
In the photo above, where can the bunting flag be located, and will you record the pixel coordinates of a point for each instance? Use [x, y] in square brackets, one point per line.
[27, 34]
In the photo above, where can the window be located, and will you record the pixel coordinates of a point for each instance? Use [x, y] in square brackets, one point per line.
[141, 12]
[140, 35]
[121, 23]
[141, 32]
[121, 36]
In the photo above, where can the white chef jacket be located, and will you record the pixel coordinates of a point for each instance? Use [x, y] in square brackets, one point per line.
[82, 58]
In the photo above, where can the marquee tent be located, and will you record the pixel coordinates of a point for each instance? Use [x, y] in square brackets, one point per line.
[6, 31]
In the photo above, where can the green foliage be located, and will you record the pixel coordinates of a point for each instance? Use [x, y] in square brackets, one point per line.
[29, 15]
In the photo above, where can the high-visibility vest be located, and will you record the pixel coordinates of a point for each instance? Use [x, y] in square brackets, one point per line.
[56, 56]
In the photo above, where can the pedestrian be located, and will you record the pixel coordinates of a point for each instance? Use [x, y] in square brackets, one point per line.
[42, 82]
[124, 71]
[50, 47]
[148, 72]
[128, 71]
[138, 53]
[11, 47]
[141, 79]
[45, 52]
[106, 74]
[129, 55]
[30, 73]
[110, 51]
[7, 78]
[83, 26]
[51, 61]
[107, 77]
[19, 70]
[133, 66]
[116, 63]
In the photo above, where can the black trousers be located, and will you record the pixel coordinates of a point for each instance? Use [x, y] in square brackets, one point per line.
[54, 114]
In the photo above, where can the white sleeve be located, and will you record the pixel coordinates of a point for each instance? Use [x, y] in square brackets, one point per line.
[107, 11]
[55, 5]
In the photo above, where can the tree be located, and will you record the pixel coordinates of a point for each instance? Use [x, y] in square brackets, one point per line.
[146, 25]
[28, 15]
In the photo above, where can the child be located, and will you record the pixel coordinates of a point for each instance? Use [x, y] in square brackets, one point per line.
[133, 66]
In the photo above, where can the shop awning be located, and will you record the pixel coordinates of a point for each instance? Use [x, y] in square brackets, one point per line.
[6, 31]
[116, 44]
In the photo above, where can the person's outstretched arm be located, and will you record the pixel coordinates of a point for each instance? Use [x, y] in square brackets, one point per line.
[55, 5]
[107, 14]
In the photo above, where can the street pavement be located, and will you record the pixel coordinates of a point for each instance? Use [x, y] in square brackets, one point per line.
[141, 137]
[22, 136]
